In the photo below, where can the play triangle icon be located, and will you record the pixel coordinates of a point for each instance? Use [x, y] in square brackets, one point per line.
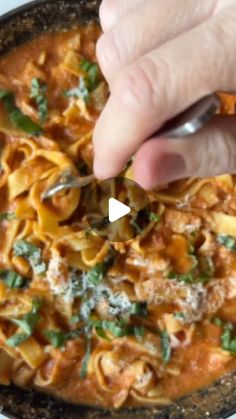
[117, 210]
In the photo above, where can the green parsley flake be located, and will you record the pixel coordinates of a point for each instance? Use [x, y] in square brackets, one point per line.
[38, 93]
[17, 118]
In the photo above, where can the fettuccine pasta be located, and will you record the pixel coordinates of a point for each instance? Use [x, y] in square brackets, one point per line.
[83, 318]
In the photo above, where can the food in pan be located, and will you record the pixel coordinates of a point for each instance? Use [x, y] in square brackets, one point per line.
[90, 320]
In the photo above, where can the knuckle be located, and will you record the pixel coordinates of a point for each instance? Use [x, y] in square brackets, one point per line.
[108, 52]
[136, 86]
[223, 28]
[106, 12]
[229, 150]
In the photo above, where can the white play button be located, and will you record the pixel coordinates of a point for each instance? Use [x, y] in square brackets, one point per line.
[117, 210]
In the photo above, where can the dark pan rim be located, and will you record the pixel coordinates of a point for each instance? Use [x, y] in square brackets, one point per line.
[195, 406]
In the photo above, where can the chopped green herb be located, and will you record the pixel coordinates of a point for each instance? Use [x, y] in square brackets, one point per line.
[18, 119]
[12, 279]
[139, 309]
[36, 304]
[27, 324]
[154, 217]
[85, 360]
[32, 253]
[118, 328]
[80, 92]
[96, 274]
[179, 316]
[217, 322]
[228, 338]
[227, 241]
[38, 93]
[56, 337]
[7, 216]
[76, 318]
[207, 267]
[92, 72]
[165, 346]
[31, 319]
[17, 339]
[138, 332]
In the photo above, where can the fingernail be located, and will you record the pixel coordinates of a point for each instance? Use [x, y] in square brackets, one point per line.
[98, 171]
[172, 167]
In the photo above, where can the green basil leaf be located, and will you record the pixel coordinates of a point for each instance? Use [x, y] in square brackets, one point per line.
[92, 72]
[18, 119]
[38, 93]
[139, 309]
[138, 331]
[17, 339]
[56, 337]
[154, 217]
[36, 304]
[32, 253]
[225, 338]
[96, 274]
[85, 360]
[28, 323]
[7, 216]
[179, 316]
[101, 333]
[80, 92]
[232, 346]
[76, 318]
[217, 322]
[12, 279]
[227, 241]
[165, 346]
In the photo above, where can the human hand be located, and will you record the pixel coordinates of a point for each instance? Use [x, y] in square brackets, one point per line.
[159, 58]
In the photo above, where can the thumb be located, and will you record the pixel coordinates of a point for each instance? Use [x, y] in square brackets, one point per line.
[208, 153]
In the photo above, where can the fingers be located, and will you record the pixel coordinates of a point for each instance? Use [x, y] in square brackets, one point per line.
[146, 27]
[162, 84]
[112, 10]
[210, 152]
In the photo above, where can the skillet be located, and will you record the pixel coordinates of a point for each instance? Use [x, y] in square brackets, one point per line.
[216, 401]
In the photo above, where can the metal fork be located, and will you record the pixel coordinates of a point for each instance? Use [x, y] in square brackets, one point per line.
[183, 125]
